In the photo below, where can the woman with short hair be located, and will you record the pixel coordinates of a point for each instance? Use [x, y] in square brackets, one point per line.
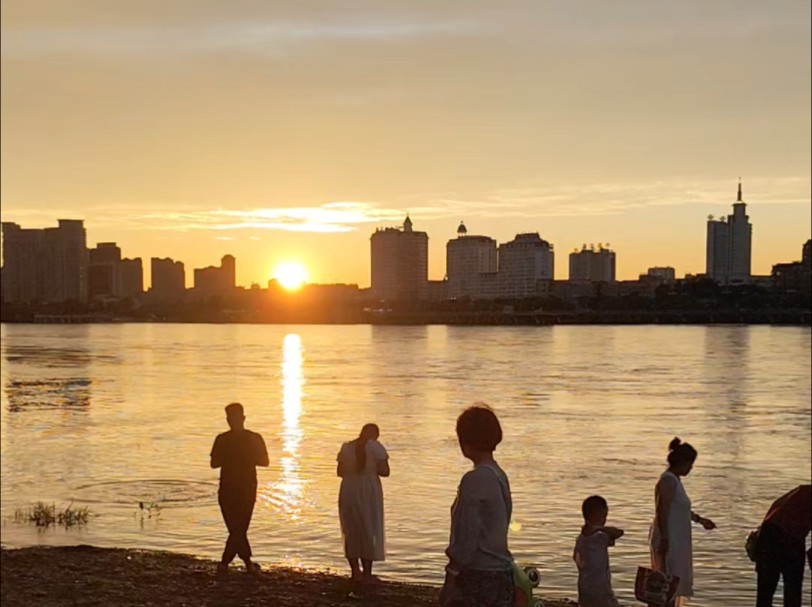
[479, 572]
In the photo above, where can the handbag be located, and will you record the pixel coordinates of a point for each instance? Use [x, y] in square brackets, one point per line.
[751, 544]
[655, 587]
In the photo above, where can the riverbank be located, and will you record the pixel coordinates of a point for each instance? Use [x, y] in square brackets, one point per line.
[86, 575]
[777, 317]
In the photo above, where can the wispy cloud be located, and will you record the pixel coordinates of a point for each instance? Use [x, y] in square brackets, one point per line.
[245, 36]
[333, 217]
[519, 203]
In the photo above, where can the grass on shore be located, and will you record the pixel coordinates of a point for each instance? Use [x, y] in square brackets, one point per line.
[46, 515]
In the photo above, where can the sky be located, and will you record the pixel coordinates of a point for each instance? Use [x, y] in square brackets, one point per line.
[291, 130]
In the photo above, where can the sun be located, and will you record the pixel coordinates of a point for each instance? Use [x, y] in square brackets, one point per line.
[291, 275]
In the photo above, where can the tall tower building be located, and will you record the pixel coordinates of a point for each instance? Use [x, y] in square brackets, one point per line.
[467, 259]
[523, 262]
[400, 263]
[729, 245]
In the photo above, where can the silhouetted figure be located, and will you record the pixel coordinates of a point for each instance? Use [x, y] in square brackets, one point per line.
[237, 453]
[591, 555]
[780, 547]
[479, 571]
[361, 463]
[670, 536]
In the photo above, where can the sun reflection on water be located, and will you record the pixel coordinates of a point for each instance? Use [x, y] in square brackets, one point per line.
[287, 492]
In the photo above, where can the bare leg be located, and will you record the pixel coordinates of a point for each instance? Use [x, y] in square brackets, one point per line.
[368, 577]
[354, 568]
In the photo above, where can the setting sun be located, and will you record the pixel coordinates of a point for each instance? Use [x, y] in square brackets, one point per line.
[291, 275]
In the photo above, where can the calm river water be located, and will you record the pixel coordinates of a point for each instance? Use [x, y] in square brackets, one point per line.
[112, 415]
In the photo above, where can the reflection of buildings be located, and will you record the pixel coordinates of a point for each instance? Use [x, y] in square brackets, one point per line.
[168, 279]
[48, 265]
[469, 259]
[400, 263]
[592, 265]
[217, 280]
[728, 251]
[526, 266]
[67, 389]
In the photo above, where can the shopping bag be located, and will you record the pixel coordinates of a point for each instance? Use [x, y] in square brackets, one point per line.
[655, 587]
[751, 544]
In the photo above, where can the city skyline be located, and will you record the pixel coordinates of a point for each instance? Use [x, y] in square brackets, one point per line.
[288, 133]
[477, 266]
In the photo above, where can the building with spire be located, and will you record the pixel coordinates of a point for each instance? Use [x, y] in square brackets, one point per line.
[471, 265]
[400, 263]
[729, 245]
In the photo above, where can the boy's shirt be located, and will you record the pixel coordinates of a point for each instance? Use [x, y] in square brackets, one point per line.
[591, 555]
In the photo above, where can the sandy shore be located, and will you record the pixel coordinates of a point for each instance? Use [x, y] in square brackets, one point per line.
[85, 575]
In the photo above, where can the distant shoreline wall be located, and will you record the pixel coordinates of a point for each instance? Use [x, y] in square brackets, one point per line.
[791, 317]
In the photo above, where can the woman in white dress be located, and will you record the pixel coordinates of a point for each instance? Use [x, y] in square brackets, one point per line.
[670, 537]
[361, 464]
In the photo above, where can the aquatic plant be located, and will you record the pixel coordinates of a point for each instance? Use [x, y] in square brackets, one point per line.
[150, 509]
[46, 515]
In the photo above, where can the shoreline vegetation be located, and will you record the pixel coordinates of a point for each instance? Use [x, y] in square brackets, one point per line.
[87, 575]
[694, 301]
[787, 317]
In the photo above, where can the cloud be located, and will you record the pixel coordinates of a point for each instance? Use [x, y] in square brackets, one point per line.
[517, 203]
[269, 37]
[535, 201]
[332, 217]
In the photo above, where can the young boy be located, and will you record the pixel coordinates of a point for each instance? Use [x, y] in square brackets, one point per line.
[592, 556]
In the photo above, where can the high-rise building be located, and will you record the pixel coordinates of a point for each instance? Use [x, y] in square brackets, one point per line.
[47, 265]
[524, 263]
[468, 258]
[400, 263]
[728, 248]
[663, 274]
[22, 264]
[806, 253]
[104, 271]
[592, 265]
[213, 279]
[132, 278]
[168, 279]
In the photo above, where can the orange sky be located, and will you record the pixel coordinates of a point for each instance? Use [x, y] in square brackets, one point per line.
[192, 129]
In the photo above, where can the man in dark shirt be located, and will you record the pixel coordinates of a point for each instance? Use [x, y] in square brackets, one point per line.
[237, 453]
[780, 547]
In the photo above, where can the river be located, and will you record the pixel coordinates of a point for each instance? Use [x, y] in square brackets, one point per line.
[108, 416]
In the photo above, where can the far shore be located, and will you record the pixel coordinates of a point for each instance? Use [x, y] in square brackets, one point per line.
[86, 575]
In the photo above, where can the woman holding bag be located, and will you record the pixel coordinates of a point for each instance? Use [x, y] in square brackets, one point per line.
[670, 537]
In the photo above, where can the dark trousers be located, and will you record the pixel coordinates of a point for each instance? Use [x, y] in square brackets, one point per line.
[779, 556]
[237, 508]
